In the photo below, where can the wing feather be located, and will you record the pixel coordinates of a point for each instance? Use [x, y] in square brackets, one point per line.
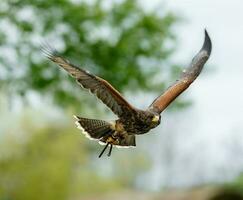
[187, 77]
[96, 85]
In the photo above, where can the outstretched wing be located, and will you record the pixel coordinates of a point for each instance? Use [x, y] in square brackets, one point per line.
[187, 77]
[98, 86]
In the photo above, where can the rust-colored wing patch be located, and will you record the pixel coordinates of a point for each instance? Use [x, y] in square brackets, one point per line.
[98, 86]
[187, 77]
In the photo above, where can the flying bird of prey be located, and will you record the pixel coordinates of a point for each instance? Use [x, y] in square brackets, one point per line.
[131, 121]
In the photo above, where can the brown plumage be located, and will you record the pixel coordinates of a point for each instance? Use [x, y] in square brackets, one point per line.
[132, 121]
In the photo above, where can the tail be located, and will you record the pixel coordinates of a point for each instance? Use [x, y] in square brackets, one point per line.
[94, 128]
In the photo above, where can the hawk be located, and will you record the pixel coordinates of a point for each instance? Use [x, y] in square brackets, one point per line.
[131, 121]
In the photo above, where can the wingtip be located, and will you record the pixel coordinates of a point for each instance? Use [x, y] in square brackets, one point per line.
[207, 45]
[48, 50]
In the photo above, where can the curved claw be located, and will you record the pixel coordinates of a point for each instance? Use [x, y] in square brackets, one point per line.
[104, 150]
[109, 154]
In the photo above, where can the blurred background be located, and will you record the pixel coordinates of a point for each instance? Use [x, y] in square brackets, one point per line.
[140, 47]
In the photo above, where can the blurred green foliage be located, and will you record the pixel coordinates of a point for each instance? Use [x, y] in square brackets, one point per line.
[236, 185]
[56, 162]
[117, 40]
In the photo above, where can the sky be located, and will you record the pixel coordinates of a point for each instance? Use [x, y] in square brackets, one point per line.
[204, 142]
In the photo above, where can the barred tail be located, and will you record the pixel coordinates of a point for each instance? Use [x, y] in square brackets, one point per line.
[94, 128]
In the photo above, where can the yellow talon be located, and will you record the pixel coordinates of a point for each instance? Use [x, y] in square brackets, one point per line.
[111, 140]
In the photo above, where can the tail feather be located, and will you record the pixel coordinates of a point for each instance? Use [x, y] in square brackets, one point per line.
[93, 128]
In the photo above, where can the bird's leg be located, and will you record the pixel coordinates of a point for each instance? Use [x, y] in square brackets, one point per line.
[109, 154]
[104, 150]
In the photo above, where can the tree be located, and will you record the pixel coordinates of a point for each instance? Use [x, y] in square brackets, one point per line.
[50, 164]
[118, 41]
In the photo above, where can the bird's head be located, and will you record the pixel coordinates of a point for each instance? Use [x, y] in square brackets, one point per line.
[153, 119]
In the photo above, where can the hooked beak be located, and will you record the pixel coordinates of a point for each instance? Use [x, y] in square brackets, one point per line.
[156, 119]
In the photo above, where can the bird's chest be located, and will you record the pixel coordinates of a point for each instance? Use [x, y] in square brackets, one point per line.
[135, 126]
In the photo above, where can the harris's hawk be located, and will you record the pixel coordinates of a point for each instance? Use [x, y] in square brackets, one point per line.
[131, 121]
